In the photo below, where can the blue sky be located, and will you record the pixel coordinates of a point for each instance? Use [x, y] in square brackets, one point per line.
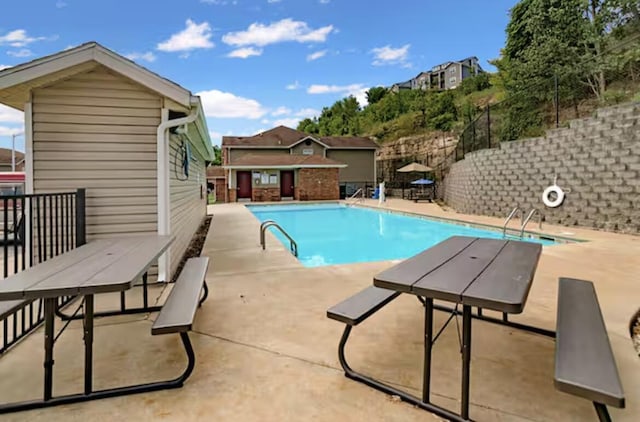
[259, 63]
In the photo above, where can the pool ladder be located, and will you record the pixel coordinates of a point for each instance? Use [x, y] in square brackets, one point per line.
[293, 246]
[523, 220]
[357, 198]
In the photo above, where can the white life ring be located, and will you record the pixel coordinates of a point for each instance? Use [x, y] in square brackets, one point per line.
[559, 196]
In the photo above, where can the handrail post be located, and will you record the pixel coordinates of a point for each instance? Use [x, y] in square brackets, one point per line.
[81, 223]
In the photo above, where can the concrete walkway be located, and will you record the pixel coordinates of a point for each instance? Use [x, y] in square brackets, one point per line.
[266, 351]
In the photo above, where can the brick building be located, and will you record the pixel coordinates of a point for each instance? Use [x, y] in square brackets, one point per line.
[283, 163]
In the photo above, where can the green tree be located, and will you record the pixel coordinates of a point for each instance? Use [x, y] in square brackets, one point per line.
[217, 154]
[375, 94]
[309, 126]
[545, 40]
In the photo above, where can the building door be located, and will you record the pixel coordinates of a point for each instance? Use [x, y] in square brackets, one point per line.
[244, 184]
[286, 184]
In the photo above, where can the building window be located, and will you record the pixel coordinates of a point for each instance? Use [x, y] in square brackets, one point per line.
[307, 151]
[452, 70]
[452, 80]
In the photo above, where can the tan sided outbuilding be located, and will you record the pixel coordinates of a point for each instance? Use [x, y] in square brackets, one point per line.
[137, 142]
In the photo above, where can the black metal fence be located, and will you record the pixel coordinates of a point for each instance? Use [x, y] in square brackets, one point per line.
[35, 228]
[553, 97]
[347, 189]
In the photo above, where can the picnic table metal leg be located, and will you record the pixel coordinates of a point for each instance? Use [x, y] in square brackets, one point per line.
[466, 360]
[603, 413]
[123, 304]
[145, 292]
[88, 344]
[50, 305]
[428, 344]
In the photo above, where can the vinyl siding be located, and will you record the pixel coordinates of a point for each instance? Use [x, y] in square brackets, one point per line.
[360, 164]
[97, 130]
[187, 196]
[236, 153]
[317, 148]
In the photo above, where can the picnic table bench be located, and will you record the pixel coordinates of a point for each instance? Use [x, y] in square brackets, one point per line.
[102, 266]
[584, 362]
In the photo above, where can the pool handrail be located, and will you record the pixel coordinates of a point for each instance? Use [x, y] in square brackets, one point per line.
[359, 199]
[293, 246]
[529, 217]
[511, 215]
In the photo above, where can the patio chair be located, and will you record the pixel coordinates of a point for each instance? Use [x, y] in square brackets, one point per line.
[15, 235]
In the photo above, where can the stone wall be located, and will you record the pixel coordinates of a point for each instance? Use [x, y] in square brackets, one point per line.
[429, 150]
[318, 184]
[596, 161]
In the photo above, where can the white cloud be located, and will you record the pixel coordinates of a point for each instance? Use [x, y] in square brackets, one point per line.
[289, 122]
[274, 1]
[192, 37]
[243, 53]
[388, 55]
[293, 86]
[10, 115]
[147, 57]
[276, 32]
[8, 131]
[18, 38]
[330, 89]
[294, 118]
[307, 112]
[324, 1]
[23, 52]
[280, 111]
[316, 55]
[4, 66]
[265, 121]
[357, 90]
[227, 105]
[61, 4]
[220, 2]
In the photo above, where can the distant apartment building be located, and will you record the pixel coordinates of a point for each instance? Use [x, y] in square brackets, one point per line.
[443, 76]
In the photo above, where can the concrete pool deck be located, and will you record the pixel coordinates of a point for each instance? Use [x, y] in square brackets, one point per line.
[266, 351]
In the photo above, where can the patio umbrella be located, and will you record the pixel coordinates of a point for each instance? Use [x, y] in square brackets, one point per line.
[415, 167]
[422, 182]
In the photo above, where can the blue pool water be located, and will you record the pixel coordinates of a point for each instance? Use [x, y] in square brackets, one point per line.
[329, 234]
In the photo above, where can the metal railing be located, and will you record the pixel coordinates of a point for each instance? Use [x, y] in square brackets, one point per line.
[357, 198]
[293, 246]
[511, 215]
[35, 228]
[529, 217]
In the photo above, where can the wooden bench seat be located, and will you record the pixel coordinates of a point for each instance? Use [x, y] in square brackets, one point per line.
[362, 305]
[584, 362]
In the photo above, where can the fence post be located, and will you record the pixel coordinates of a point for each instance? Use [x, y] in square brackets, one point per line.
[488, 126]
[556, 100]
[81, 224]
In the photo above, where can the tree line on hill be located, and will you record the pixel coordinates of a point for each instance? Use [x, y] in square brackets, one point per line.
[556, 50]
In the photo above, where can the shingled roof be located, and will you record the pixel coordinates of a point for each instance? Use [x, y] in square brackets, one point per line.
[283, 161]
[285, 137]
[5, 156]
[214, 172]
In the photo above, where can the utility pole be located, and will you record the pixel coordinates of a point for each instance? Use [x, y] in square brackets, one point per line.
[13, 151]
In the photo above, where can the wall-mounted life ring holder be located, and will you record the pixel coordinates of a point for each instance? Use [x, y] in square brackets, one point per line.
[553, 189]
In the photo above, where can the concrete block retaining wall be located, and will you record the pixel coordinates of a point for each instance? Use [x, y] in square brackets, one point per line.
[596, 161]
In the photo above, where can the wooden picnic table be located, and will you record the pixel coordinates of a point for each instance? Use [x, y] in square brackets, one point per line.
[100, 266]
[491, 274]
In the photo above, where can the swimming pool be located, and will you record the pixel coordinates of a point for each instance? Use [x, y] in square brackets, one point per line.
[329, 234]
